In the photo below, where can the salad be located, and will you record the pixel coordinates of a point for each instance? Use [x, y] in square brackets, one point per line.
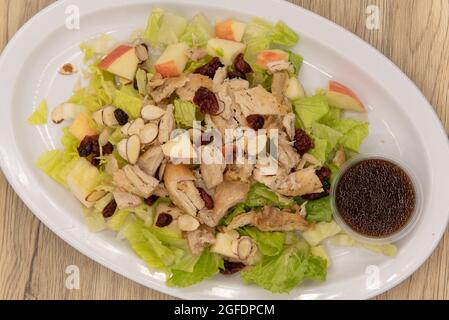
[155, 133]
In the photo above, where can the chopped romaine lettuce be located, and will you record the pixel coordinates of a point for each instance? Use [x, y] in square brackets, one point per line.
[269, 243]
[284, 36]
[334, 114]
[153, 25]
[319, 149]
[94, 220]
[117, 221]
[311, 109]
[193, 65]
[141, 79]
[186, 113]
[198, 32]
[282, 273]
[40, 115]
[240, 208]
[324, 132]
[207, 266]
[260, 195]
[171, 28]
[320, 251]
[354, 132]
[296, 60]
[57, 165]
[319, 210]
[128, 100]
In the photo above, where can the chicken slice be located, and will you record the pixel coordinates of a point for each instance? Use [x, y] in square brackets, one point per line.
[299, 183]
[151, 160]
[288, 157]
[166, 89]
[125, 199]
[239, 172]
[227, 195]
[199, 239]
[257, 100]
[166, 125]
[187, 92]
[140, 180]
[212, 174]
[278, 88]
[179, 183]
[270, 219]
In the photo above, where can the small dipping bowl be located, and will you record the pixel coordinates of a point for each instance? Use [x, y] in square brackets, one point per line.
[360, 225]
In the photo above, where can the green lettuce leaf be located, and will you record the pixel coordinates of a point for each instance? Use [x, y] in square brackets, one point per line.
[386, 249]
[354, 132]
[296, 60]
[260, 77]
[319, 210]
[128, 100]
[94, 220]
[319, 149]
[153, 25]
[331, 136]
[141, 79]
[198, 32]
[269, 243]
[238, 209]
[40, 115]
[320, 231]
[207, 266]
[193, 65]
[333, 115]
[284, 36]
[257, 37]
[282, 273]
[117, 221]
[310, 109]
[186, 113]
[57, 165]
[171, 28]
[260, 195]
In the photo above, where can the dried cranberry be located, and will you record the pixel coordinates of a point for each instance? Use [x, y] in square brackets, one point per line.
[314, 196]
[163, 220]
[255, 121]
[206, 101]
[303, 142]
[231, 267]
[121, 116]
[109, 210]
[208, 201]
[87, 146]
[324, 173]
[241, 65]
[108, 148]
[95, 162]
[234, 74]
[210, 68]
[151, 200]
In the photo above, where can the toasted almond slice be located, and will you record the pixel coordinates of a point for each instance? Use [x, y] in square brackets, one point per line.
[136, 126]
[125, 128]
[133, 149]
[68, 69]
[121, 148]
[244, 247]
[149, 133]
[188, 223]
[142, 53]
[57, 115]
[103, 139]
[95, 195]
[109, 116]
[98, 117]
[151, 112]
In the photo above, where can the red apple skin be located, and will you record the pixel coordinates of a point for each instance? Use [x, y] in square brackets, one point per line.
[223, 30]
[338, 87]
[113, 56]
[268, 56]
[167, 69]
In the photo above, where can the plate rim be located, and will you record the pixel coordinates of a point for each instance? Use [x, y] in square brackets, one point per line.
[183, 293]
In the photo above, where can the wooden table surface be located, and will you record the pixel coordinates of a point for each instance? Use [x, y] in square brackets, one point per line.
[414, 34]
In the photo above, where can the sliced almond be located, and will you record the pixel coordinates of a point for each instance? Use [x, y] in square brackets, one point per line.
[244, 247]
[125, 128]
[142, 53]
[68, 69]
[149, 133]
[151, 112]
[136, 126]
[133, 149]
[103, 138]
[57, 115]
[109, 116]
[95, 195]
[111, 165]
[188, 223]
[98, 117]
[121, 148]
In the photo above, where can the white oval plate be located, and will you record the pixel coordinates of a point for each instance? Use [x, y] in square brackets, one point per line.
[402, 124]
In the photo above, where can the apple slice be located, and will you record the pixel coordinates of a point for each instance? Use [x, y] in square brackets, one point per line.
[230, 30]
[342, 97]
[226, 50]
[294, 90]
[122, 62]
[82, 180]
[173, 60]
[81, 127]
[267, 56]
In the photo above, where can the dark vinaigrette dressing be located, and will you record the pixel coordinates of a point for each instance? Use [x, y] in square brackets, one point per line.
[375, 197]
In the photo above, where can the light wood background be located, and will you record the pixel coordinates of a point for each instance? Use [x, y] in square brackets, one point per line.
[414, 34]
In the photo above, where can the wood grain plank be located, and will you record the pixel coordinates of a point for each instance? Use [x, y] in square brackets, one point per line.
[413, 34]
